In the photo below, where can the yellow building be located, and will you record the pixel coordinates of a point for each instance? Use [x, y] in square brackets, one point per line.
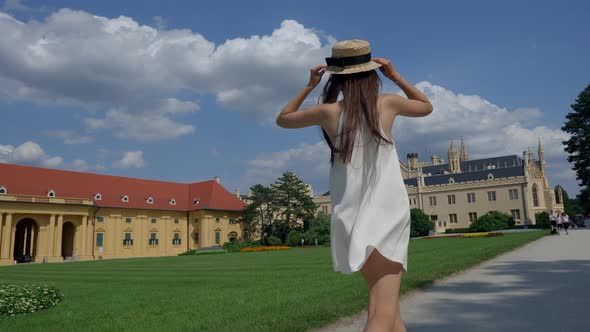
[55, 215]
[457, 192]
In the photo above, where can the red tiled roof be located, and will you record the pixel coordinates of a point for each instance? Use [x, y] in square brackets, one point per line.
[30, 180]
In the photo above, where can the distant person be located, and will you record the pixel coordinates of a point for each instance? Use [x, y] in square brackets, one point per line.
[565, 221]
[559, 221]
[370, 231]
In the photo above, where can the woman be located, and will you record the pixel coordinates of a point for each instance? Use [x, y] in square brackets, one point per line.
[565, 221]
[370, 208]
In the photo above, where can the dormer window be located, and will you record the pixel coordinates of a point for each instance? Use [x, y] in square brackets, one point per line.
[51, 193]
[150, 200]
[451, 180]
[196, 201]
[490, 176]
[172, 201]
[3, 190]
[125, 198]
[97, 196]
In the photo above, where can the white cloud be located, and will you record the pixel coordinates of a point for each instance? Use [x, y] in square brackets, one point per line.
[131, 159]
[69, 137]
[121, 65]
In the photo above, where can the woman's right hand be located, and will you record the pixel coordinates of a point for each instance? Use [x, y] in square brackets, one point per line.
[387, 69]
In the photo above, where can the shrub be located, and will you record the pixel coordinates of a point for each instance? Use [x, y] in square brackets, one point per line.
[542, 219]
[235, 246]
[457, 230]
[491, 221]
[294, 238]
[273, 241]
[421, 224]
[202, 252]
[265, 248]
[15, 300]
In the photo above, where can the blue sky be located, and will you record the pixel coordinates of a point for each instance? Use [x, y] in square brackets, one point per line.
[199, 85]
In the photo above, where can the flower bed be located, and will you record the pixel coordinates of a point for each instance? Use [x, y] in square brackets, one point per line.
[487, 234]
[203, 252]
[264, 248]
[15, 300]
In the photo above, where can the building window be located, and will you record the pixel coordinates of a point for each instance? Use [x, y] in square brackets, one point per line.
[128, 241]
[196, 237]
[472, 217]
[453, 218]
[172, 201]
[99, 219]
[451, 199]
[232, 221]
[535, 195]
[433, 218]
[150, 200]
[196, 220]
[97, 196]
[51, 193]
[217, 237]
[3, 190]
[195, 201]
[515, 214]
[324, 209]
[470, 197]
[439, 224]
[176, 221]
[154, 220]
[216, 219]
[99, 239]
[153, 241]
[451, 180]
[513, 194]
[245, 235]
[491, 195]
[176, 240]
[490, 176]
[128, 220]
[432, 200]
[125, 198]
[445, 223]
[232, 236]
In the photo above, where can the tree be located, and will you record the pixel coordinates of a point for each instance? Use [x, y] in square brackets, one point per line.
[571, 206]
[261, 209]
[319, 229]
[578, 145]
[420, 223]
[542, 219]
[292, 201]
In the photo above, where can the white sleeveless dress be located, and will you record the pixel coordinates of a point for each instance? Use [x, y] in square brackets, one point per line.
[370, 207]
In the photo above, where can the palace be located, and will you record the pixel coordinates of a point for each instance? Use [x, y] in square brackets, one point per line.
[49, 215]
[456, 192]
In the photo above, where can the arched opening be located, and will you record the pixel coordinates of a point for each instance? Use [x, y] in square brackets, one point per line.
[67, 239]
[535, 195]
[25, 241]
[232, 236]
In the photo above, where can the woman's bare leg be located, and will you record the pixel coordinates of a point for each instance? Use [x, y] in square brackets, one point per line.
[383, 279]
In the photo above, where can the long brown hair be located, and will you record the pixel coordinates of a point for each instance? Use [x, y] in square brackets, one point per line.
[360, 93]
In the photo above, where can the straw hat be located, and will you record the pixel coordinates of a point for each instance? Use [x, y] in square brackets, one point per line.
[350, 56]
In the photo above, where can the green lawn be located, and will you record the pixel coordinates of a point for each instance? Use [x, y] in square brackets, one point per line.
[291, 290]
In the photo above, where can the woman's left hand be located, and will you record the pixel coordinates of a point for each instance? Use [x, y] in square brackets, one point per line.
[315, 75]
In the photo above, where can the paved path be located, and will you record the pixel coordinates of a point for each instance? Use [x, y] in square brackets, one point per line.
[543, 286]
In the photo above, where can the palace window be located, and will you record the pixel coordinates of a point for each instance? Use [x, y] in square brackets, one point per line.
[324, 209]
[472, 217]
[232, 221]
[196, 237]
[153, 241]
[232, 236]
[490, 176]
[513, 194]
[99, 239]
[154, 220]
[128, 241]
[535, 195]
[172, 201]
[3, 190]
[217, 237]
[176, 240]
[150, 200]
[433, 218]
[453, 218]
[51, 193]
[128, 220]
[195, 201]
[451, 180]
[125, 198]
[216, 219]
[176, 221]
[515, 214]
[245, 235]
[491, 195]
[451, 199]
[470, 197]
[99, 219]
[97, 196]
[196, 220]
[432, 200]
